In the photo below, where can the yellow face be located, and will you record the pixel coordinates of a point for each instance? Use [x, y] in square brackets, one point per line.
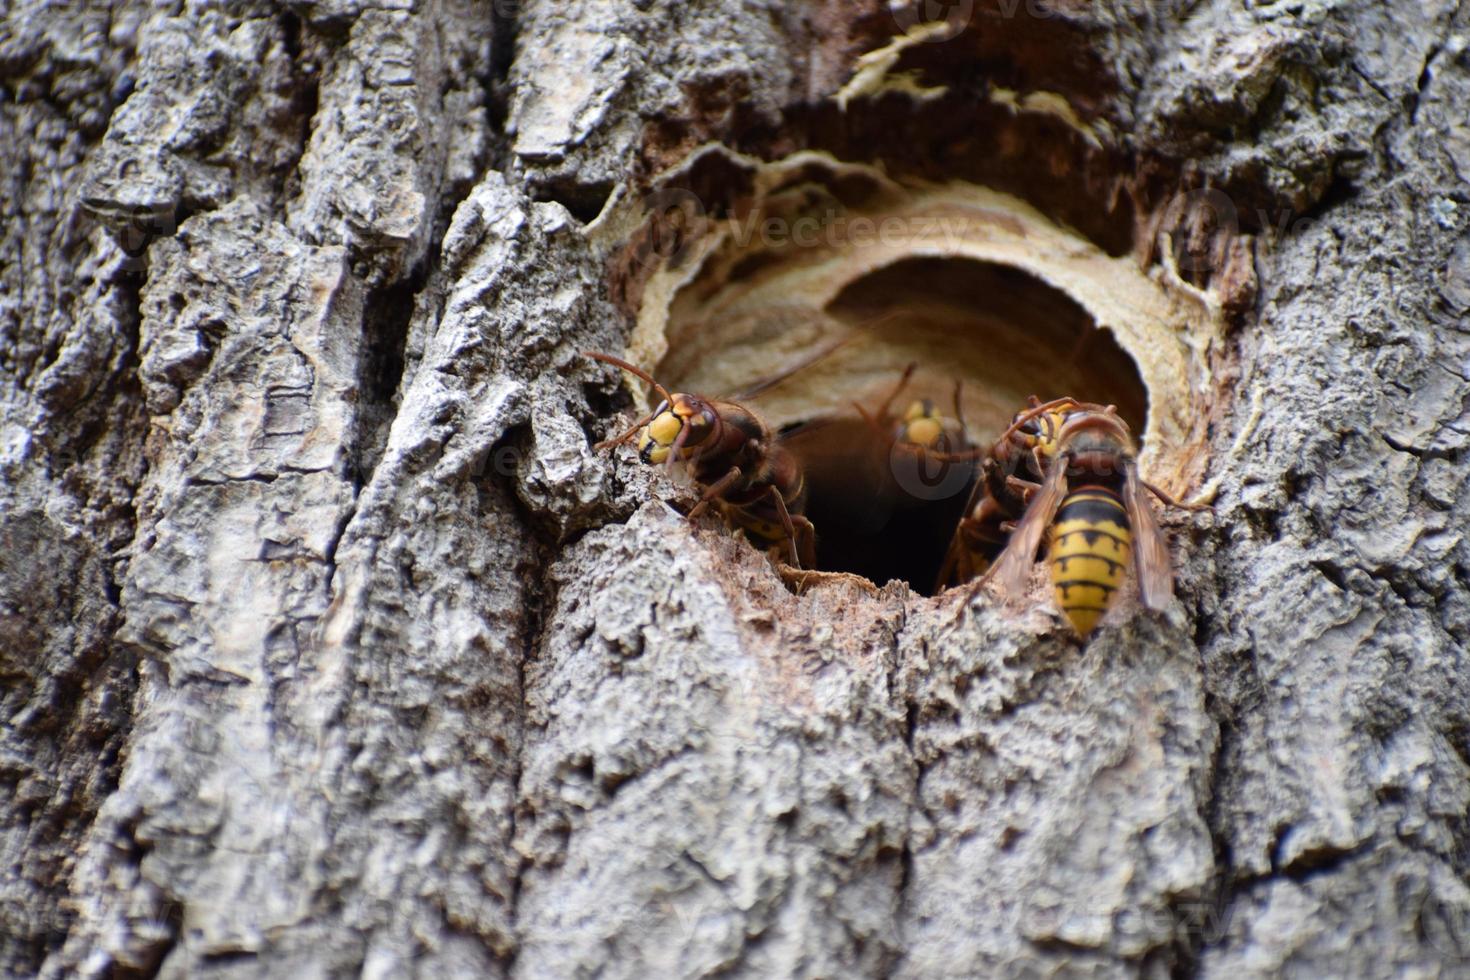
[922, 424]
[1051, 428]
[1041, 432]
[656, 441]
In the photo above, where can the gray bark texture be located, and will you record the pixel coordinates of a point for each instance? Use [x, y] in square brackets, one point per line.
[330, 646]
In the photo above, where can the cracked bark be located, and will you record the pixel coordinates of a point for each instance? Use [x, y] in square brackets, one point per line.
[329, 645]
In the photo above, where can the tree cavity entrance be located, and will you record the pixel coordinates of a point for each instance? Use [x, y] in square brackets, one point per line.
[971, 285]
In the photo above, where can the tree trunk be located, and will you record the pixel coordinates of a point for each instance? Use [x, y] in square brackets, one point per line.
[330, 645]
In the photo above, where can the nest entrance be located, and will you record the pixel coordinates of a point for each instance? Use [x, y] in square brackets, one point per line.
[972, 285]
[998, 333]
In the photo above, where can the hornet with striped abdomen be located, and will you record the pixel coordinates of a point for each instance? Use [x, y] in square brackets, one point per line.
[1010, 474]
[727, 449]
[1093, 510]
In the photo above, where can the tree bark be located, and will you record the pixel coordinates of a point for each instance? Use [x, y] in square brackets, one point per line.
[330, 645]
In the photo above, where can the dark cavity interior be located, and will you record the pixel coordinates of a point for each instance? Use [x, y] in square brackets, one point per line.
[1004, 335]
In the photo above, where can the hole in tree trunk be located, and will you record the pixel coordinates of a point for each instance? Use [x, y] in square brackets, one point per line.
[843, 276]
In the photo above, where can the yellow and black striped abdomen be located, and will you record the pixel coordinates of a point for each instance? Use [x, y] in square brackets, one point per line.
[1090, 544]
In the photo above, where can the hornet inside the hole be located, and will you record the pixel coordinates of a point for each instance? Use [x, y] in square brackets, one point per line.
[886, 483]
